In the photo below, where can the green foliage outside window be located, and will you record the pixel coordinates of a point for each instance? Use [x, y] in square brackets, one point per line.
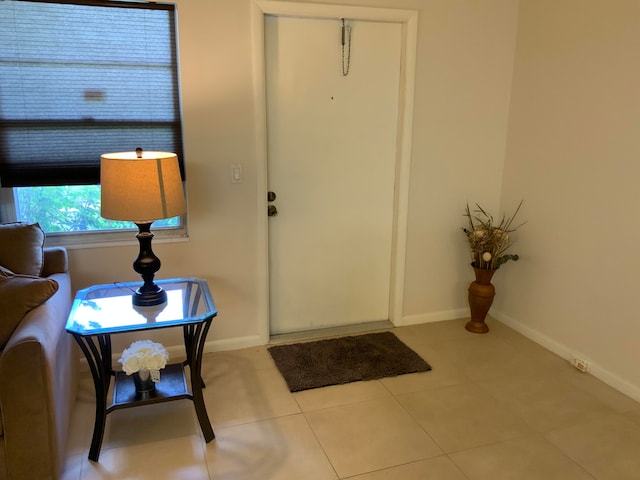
[71, 208]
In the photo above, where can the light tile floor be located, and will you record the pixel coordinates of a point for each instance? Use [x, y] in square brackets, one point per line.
[494, 407]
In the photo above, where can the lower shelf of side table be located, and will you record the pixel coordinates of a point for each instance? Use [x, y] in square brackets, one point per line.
[172, 386]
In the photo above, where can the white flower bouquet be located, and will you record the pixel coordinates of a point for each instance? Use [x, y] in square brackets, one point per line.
[144, 355]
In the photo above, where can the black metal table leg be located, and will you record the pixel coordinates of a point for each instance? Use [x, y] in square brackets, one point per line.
[99, 360]
[194, 346]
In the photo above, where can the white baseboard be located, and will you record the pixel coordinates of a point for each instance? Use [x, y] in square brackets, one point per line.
[567, 353]
[231, 344]
[432, 317]
[177, 351]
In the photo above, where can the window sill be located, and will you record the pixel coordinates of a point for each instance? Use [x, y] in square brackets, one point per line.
[79, 240]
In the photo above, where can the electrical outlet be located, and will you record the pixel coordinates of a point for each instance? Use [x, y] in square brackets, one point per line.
[581, 365]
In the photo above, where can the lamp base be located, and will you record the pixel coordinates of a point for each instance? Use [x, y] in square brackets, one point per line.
[147, 264]
[145, 298]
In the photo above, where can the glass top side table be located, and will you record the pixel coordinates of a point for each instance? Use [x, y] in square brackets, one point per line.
[103, 310]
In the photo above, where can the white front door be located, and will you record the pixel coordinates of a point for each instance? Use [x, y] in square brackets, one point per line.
[332, 148]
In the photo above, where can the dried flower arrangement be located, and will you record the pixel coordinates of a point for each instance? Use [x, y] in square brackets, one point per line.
[489, 242]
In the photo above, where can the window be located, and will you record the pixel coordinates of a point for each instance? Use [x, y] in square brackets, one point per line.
[78, 79]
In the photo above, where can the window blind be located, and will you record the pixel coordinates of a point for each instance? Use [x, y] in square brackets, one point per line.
[82, 78]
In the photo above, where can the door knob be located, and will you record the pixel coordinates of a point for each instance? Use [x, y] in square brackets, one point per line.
[271, 196]
[272, 211]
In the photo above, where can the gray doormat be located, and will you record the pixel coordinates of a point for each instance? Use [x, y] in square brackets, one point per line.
[347, 359]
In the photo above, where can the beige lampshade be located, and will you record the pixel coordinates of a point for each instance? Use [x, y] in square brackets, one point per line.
[141, 189]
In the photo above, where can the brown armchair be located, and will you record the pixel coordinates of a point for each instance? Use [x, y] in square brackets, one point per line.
[38, 363]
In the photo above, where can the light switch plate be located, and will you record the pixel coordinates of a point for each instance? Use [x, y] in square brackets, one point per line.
[236, 173]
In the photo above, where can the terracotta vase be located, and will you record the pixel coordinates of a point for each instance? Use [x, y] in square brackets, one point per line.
[481, 293]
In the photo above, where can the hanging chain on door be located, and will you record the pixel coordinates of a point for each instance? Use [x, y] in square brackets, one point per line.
[346, 39]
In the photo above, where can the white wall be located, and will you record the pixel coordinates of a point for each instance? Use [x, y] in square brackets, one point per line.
[573, 149]
[463, 86]
[464, 65]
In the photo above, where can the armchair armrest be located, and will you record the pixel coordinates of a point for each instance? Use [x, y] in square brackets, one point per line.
[55, 261]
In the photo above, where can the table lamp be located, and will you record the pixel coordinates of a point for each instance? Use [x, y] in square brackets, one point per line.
[142, 187]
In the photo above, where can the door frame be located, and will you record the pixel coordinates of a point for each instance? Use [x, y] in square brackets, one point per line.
[409, 21]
